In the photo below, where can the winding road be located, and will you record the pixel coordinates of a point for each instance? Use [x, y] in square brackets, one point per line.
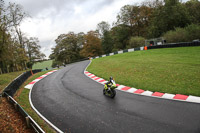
[74, 103]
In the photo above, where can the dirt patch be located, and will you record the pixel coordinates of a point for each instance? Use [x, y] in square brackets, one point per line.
[11, 121]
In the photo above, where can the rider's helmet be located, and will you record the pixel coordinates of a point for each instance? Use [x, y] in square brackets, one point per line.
[111, 78]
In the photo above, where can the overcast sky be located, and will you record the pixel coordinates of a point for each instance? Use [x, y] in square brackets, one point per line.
[50, 18]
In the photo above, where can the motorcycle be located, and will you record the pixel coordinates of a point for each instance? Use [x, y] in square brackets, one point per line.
[109, 89]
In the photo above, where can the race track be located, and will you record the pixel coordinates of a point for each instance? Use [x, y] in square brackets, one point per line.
[74, 103]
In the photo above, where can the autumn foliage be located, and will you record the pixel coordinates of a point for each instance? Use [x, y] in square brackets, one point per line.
[134, 24]
[92, 45]
[11, 120]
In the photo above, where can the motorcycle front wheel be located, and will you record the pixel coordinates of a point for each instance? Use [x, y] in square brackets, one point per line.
[104, 91]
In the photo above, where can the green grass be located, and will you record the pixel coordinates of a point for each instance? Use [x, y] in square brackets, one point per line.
[43, 65]
[5, 79]
[172, 70]
[23, 100]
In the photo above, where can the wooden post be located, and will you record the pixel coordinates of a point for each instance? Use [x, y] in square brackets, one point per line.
[15, 106]
[0, 98]
[31, 72]
[28, 122]
[8, 98]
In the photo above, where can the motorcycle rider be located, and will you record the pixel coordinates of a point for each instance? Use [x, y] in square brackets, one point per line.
[109, 88]
[109, 83]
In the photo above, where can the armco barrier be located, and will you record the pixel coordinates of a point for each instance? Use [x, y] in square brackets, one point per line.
[17, 82]
[172, 45]
[29, 121]
[10, 90]
[136, 49]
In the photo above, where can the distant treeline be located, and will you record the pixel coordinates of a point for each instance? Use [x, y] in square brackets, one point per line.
[17, 51]
[171, 19]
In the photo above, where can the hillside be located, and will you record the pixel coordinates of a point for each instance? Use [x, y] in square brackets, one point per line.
[43, 65]
[172, 70]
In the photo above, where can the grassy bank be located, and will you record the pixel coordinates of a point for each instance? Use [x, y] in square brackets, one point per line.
[172, 70]
[43, 65]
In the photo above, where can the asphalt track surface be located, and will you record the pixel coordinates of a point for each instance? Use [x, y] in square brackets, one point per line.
[74, 103]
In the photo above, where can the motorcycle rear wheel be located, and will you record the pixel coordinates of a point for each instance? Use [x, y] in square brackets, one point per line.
[113, 93]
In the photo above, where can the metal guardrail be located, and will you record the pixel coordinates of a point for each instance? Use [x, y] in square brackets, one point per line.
[17, 82]
[0, 97]
[29, 121]
[172, 45]
[10, 90]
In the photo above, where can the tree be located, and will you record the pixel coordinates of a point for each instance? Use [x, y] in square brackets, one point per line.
[92, 45]
[167, 17]
[33, 50]
[136, 17]
[107, 42]
[102, 28]
[15, 16]
[127, 16]
[193, 9]
[120, 36]
[68, 47]
[13, 54]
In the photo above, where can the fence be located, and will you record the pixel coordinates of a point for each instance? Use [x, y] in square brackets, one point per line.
[119, 52]
[10, 90]
[171, 45]
[17, 82]
[29, 121]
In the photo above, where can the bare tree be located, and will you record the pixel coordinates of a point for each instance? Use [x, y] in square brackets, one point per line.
[15, 15]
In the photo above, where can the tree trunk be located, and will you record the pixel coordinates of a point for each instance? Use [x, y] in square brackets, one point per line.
[7, 69]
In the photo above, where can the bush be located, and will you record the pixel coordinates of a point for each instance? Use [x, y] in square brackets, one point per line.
[135, 42]
[193, 32]
[187, 34]
[179, 35]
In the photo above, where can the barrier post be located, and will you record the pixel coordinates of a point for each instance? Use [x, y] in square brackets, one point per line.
[31, 72]
[15, 106]
[28, 121]
[0, 98]
[8, 98]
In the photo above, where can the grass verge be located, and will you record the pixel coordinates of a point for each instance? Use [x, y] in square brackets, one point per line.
[22, 97]
[170, 70]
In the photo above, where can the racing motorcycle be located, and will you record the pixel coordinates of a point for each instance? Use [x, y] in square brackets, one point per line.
[109, 88]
